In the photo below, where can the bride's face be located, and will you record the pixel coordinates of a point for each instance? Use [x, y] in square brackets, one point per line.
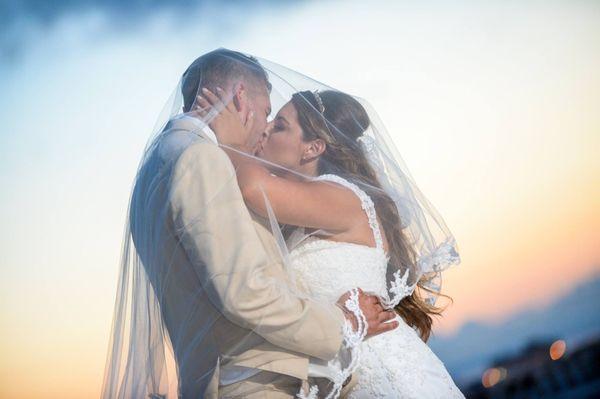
[283, 143]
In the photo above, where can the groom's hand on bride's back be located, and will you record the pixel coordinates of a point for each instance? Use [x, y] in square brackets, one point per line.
[378, 319]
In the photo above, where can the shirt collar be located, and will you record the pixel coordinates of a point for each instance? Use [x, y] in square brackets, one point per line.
[208, 132]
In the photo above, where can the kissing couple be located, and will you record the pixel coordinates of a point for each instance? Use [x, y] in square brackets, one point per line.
[276, 246]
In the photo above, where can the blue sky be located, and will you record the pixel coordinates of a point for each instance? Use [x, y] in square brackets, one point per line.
[492, 105]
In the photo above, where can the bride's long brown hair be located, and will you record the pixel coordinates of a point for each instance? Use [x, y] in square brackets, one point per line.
[348, 118]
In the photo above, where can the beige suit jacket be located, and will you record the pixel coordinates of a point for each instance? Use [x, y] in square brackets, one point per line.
[220, 280]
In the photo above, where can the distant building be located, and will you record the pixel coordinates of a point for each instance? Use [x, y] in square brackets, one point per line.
[574, 374]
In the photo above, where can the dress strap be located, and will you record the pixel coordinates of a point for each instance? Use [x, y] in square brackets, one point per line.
[366, 203]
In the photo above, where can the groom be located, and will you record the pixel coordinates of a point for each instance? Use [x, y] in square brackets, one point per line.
[235, 326]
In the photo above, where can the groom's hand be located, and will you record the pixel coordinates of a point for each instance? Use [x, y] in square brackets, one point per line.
[378, 319]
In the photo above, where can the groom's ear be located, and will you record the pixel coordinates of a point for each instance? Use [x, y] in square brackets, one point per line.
[240, 97]
[240, 100]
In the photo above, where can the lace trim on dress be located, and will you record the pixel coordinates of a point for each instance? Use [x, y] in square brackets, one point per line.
[350, 349]
[365, 201]
[398, 289]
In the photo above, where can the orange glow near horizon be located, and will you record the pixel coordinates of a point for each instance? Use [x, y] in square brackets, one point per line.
[529, 264]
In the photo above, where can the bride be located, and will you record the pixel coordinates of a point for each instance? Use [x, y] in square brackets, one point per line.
[351, 217]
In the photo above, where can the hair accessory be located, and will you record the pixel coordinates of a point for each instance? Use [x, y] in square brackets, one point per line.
[319, 101]
[368, 146]
[367, 141]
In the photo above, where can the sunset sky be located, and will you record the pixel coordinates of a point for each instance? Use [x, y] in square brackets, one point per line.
[495, 109]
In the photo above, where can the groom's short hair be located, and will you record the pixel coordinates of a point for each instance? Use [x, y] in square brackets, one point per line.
[217, 68]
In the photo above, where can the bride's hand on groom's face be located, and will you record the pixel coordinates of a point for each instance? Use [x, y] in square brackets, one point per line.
[378, 319]
[232, 127]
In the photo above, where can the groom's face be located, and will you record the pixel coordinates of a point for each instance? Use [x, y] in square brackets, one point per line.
[259, 102]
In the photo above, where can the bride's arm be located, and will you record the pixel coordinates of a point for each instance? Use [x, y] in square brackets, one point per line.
[313, 204]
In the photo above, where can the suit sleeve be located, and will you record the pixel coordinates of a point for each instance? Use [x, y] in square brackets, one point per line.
[216, 231]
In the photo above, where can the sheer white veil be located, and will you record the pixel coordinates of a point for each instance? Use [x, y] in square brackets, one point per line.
[147, 357]
[433, 245]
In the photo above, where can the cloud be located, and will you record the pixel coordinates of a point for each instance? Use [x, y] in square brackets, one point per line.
[25, 21]
[46, 12]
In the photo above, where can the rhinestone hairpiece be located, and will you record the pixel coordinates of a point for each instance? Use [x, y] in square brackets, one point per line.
[319, 101]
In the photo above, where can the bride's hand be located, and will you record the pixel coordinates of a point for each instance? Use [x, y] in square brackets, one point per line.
[231, 127]
[378, 319]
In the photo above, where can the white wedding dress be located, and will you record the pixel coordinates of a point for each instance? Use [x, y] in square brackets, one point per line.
[396, 364]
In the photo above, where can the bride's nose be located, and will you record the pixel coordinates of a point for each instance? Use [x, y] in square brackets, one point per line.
[267, 132]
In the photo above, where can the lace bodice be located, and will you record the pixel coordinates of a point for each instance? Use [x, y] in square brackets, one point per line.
[315, 262]
[316, 268]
